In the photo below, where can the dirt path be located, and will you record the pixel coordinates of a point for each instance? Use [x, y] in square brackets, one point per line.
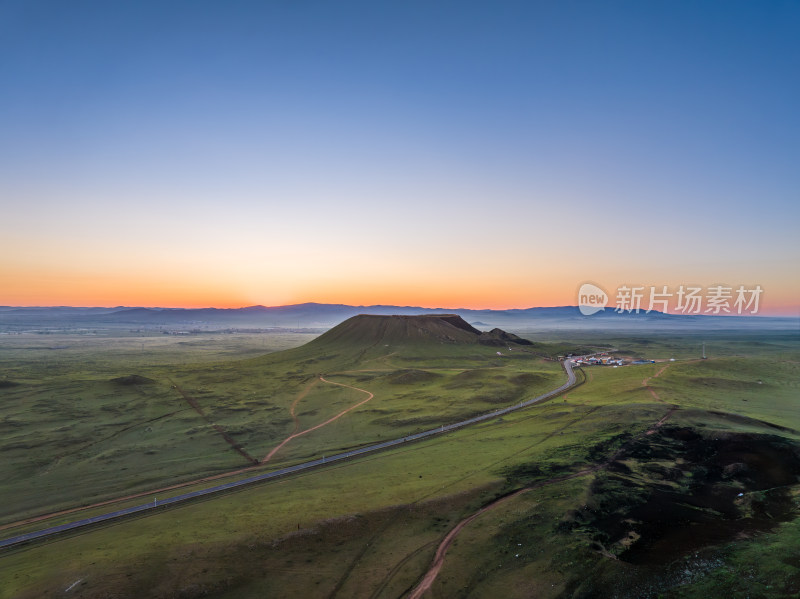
[438, 558]
[221, 430]
[296, 401]
[196, 407]
[646, 383]
[656, 375]
[387, 578]
[658, 424]
[646, 380]
[397, 567]
[441, 551]
[193, 404]
[321, 424]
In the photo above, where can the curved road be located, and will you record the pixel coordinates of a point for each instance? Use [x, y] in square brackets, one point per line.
[55, 530]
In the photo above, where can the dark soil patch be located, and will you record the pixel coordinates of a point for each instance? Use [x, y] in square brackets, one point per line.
[133, 379]
[745, 420]
[5, 384]
[677, 491]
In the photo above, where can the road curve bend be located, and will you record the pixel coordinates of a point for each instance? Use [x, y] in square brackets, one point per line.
[375, 447]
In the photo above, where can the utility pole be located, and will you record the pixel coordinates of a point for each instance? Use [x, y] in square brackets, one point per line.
[704, 350]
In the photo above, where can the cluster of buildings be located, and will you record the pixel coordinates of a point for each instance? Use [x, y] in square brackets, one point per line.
[599, 361]
[603, 359]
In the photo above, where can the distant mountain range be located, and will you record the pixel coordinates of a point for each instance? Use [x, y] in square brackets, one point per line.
[324, 316]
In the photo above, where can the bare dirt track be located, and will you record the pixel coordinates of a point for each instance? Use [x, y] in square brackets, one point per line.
[321, 424]
[646, 383]
[646, 380]
[60, 528]
[205, 479]
[438, 560]
[296, 401]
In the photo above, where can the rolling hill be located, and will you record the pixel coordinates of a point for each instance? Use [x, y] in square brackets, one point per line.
[370, 329]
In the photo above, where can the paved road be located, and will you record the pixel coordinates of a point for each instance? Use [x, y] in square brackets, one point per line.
[77, 524]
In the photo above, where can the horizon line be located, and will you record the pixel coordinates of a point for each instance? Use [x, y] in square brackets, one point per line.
[242, 307]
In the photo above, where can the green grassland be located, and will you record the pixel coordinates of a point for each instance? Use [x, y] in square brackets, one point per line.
[370, 527]
[99, 425]
[415, 388]
[71, 431]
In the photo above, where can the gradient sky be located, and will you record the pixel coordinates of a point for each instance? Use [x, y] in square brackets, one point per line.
[458, 154]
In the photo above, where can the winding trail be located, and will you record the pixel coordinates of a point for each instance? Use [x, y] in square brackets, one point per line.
[660, 423]
[438, 559]
[256, 478]
[673, 407]
[151, 492]
[646, 380]
[321, 424]
[441, 551]
[305, 391]
[646, 383]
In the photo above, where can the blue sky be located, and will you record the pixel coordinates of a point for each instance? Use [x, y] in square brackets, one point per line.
[335, 149]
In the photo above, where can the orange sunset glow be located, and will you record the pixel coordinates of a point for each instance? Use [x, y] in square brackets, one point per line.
[483, 174]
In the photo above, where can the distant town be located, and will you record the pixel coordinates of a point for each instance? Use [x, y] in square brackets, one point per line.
[607, 359]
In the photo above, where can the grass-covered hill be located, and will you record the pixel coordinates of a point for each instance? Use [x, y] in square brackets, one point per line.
[679, 479]
[367, 330]
[119, 428]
